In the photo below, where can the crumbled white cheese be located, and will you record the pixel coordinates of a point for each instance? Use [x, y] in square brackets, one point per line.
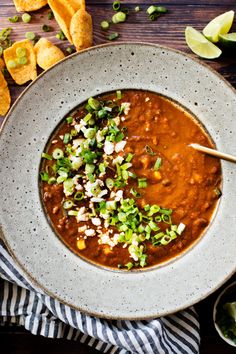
[126, 106]
[118, 159]
[120, 146]
[82, 216]
[90, 232]
[89, 186]
[133, 255]
[82, 228]
[76, 162]
[77, 142]
[96, 221]
[147, 99]
[79, 126]
[119, 195]
[97, 199]
[99, 136]
[109, 147]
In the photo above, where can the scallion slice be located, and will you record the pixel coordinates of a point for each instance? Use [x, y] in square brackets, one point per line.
[157, 164]
[105, 25]
[149, 150]
[142, 182]
[57, 154]
[46, 156]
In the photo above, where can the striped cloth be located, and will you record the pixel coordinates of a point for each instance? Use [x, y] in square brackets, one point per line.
[21, 303]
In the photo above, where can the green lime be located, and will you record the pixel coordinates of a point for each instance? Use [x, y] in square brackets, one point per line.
[228, 40]
[219, 25]
[200, 45]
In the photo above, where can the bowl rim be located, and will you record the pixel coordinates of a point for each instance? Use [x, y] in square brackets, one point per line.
[227, 340]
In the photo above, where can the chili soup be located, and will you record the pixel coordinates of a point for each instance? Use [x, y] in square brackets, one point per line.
[120, 183]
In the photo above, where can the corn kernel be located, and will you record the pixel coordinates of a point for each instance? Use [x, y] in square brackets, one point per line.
[81, 244]
[157, 175]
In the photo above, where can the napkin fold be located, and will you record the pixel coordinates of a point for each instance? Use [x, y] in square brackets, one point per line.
[22, 303]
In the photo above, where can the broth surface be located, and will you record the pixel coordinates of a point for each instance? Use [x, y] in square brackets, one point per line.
[183, 182]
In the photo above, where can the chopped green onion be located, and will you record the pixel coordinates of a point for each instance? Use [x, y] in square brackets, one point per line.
[102, 113]
[79, 196]
[13, 19]
[73, 132]
[109, 183]
[142, 182]
[129, 265]
[157, 164]
[69, 50]
[165, 211]
[137, 8]
[46, 156]
[60, 35]
[68, 185]
[22, 60]
[68, 204]
[73, 212]
[149, 150]
[50, 15]
[113, 36]
[129, 157]
[116, 5]
[93, 103]
[88, 117]
[69, 120]
[135, 193]
[154, 16]
[105, 25]
[11, 64]
[1, 50]
[30, 35]
[52, 180]
[161, 9]
[89, 168]
[90, 133]
[66, 138]
[118, 95]
[44, 176]
[91, 177]
[119, 17]
[57, 154]
[46, 28]
[20, 52]
[151, 9]
[26, 18]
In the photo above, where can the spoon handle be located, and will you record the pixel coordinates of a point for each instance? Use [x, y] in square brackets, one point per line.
[213, 152]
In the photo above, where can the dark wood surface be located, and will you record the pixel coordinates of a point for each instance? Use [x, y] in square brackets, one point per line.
[168, 30]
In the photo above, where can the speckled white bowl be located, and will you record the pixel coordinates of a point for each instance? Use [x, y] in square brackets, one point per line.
[25, 229]
[227, 340]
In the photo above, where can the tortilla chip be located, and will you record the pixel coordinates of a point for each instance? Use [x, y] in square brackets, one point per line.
[81, 30]
[63, 13]
[29, 5]
[77, 4]
[22, 73]
[47, 54]
[5, 100]
[2, 64]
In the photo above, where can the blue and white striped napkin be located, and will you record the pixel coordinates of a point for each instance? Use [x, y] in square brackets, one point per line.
[23, 304]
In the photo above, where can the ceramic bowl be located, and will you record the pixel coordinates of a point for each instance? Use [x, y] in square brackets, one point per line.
[229, 287]
[24, 227]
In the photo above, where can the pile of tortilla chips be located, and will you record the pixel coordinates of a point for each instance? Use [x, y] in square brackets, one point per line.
[22, 57]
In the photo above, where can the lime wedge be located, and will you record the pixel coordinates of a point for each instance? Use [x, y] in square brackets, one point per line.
[219, 25]
[200, 45]
[228, 40]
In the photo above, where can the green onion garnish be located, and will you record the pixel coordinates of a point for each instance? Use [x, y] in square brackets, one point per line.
[137, 8]
[44, 176]
[142, 182]
[46, 28]
[118, 94]
[69, 50]
[149, 150]
[60, 35]
[109, 183]
[113, 36]
[119, 17]
[116, 5]
[93, 103]
[20, 52]
[50, 15]
[151, 9]
[129, 265]
[135, 193]
[11, 64]
[52, 180]
[46, 156]
[129, 157]
[30, 35]
[161, 9]
[22, 60]
[105, 25]
[157, 164]
[26, 18]
[57, 154]
[66, 138]
[69, 120]
[79, 196]
[13, 19]
[68, 204]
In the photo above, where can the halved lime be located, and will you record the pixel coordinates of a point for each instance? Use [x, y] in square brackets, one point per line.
[228, 40]
[219, 25]
[200, 45]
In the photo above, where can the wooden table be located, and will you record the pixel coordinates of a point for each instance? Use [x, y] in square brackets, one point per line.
[168, 30]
